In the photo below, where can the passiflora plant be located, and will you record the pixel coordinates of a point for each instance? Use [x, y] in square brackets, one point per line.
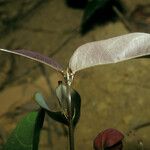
[117, 49]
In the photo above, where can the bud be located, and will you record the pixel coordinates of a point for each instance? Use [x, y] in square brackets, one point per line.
[109, 139]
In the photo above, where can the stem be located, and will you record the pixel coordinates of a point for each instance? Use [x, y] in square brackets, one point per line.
[71, 128]
[70, 110]
[71, 135]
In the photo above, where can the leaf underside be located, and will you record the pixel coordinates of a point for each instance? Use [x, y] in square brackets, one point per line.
[26, 134]
[41, 101]
[37, 57]
[112, 50]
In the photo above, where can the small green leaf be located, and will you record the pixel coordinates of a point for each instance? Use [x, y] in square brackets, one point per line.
[26, 135]
[57, 116]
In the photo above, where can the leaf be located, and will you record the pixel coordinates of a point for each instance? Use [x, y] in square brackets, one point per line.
[37, 128]
[57, 116]
[41, 101]
[77, 105]
[37, 57]
[92, 6]
[77, 3]
[61, 93]
[26, 135]
[112, 50]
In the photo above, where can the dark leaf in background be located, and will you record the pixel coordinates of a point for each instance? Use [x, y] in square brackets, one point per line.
[99, 12]
[77, 3]
[26, 135]
[140, 18]
[36, 56]
[57, 116]
[92, 6]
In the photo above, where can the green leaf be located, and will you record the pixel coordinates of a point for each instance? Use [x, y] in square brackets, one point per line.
[57, 116]
[26, 134]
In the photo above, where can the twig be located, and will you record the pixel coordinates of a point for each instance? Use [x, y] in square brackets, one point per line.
[46, 31]
[45, 74]
[122, 18]
[74, 32]
[13, 22]
[136, 128]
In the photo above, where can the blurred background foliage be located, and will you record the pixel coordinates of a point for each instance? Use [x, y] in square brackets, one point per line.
[57, 28]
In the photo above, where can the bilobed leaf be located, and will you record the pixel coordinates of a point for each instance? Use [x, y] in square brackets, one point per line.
[61, 93]
[38, 57]
[112, 50]
[26, 135]
[57, 116]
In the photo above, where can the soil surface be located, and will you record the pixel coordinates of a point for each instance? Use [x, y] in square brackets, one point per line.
[113, 96]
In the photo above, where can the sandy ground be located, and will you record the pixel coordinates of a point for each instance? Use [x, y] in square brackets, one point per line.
[115, 96]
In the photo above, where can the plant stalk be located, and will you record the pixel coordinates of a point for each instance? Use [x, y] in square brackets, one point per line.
[70, 109]
[71, 135]
[70, 114]
[71, 128]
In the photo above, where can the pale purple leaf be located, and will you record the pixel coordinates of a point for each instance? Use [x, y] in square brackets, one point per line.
[112, 50]
[38, 57]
